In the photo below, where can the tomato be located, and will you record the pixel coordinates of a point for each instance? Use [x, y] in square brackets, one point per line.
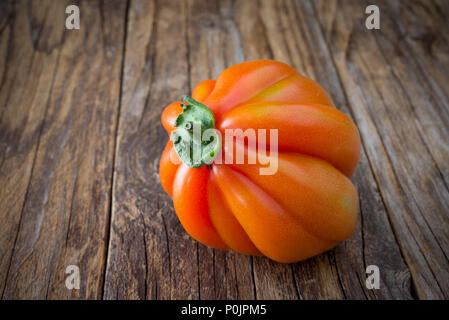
[305, 207]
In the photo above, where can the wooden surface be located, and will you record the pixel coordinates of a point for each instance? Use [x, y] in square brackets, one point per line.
[80, 141]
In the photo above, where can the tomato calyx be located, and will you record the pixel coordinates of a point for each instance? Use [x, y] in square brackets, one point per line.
[196, 140]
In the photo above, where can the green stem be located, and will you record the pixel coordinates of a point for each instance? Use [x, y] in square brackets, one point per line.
[196, 140]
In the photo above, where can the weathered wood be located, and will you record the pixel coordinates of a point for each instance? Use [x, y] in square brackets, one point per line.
[21, 115]
[150, 256]
[393, 107]
[27, 77]
[63, 162]
[80, 141]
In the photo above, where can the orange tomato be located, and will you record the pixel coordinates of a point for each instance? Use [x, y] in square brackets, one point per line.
[307, 206]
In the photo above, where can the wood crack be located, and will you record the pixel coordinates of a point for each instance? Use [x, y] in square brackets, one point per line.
[115, 152]
[41, 127]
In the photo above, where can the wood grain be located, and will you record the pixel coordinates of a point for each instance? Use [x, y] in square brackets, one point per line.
[80, 141]
[70, 104]
[411, 179]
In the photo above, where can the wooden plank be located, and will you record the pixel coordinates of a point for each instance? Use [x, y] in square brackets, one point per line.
[420, 60]
[27, 74]
[397, 113]
[150, 255]
[64, 218]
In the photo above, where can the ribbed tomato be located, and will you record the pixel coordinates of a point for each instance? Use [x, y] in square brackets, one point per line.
[307, 206]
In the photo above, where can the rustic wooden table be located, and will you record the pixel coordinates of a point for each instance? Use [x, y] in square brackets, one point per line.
[80, 141]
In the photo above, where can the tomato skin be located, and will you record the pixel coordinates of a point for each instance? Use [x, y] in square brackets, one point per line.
[228, 227]
[190, 201]
[203, 90]
[169, 115]
[303, 209]
[303, 129]
[168, 169]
